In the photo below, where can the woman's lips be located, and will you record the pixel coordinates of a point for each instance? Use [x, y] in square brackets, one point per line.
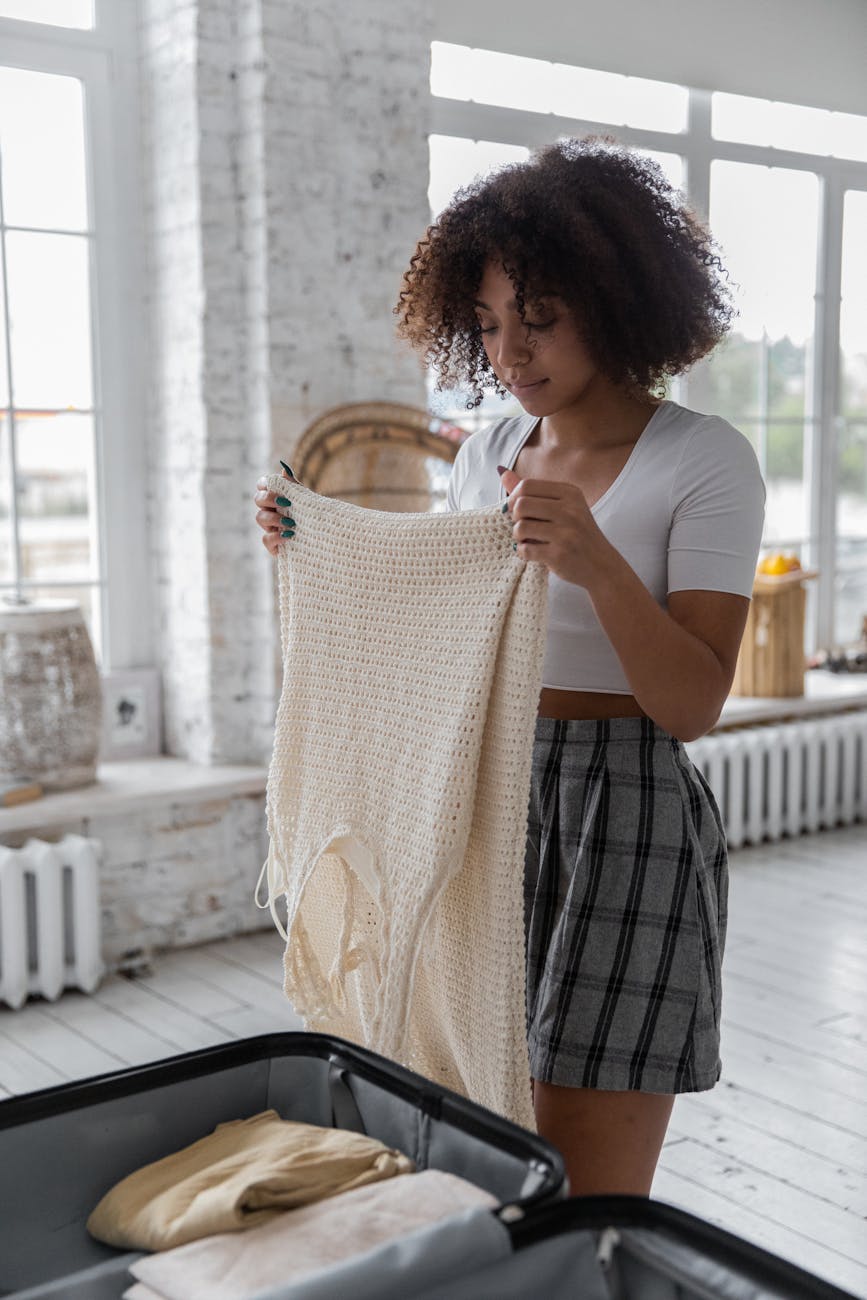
[521, 389]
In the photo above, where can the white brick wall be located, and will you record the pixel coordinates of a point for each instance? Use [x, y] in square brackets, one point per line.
[286, 175]
[181, 878]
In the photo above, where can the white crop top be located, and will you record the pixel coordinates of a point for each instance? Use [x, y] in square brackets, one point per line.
[685, 512]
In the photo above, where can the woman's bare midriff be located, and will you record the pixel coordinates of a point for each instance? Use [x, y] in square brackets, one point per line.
[588, 705]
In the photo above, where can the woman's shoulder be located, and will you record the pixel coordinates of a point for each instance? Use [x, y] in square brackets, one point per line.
[709, 455]
[701, 439]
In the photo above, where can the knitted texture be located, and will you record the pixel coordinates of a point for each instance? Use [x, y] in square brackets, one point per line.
[399, 786]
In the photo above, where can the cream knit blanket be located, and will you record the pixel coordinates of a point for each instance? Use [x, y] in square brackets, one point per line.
[399, 786]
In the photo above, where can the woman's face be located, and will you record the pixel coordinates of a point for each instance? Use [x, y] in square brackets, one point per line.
[542, 360]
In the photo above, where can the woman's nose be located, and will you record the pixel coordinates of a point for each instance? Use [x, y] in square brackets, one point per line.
[514, 346]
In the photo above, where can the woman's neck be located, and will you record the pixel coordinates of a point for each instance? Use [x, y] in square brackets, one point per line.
[607, 418]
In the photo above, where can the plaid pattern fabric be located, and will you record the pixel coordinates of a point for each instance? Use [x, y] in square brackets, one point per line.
[625, 897]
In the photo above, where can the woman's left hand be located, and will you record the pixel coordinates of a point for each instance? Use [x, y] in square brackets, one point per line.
[552, 524]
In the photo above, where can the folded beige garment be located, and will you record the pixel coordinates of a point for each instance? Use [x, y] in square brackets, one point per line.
[234, 1266]
[244, 1173]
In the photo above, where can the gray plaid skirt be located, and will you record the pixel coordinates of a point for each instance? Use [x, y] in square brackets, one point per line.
[625, 904]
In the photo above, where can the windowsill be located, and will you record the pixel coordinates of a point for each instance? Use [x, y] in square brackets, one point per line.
[823, 693]
[133, 786]
[154, 782]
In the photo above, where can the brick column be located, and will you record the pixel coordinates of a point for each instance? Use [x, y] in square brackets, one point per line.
[285, 165]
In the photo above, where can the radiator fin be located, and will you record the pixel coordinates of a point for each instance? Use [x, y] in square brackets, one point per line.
[50, 923]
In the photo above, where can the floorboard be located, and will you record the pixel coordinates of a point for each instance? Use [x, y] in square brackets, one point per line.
[777, 1152]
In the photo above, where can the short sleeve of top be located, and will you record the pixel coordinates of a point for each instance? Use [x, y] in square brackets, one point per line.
[716, 511]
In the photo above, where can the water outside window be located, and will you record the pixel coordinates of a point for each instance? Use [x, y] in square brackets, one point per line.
[851, 531]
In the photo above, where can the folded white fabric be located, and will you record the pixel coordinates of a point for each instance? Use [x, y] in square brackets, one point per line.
[302, 1242]
[438, 1257]
[399, 785]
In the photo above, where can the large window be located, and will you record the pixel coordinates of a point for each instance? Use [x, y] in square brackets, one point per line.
[69, 431]
[47, 468]
[785, 190]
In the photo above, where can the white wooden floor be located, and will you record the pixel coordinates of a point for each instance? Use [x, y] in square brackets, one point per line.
[776, 1153]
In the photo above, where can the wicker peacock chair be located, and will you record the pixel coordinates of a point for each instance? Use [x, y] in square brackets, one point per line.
[381, 455]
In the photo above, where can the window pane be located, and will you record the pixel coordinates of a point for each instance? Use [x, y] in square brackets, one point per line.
[849, 136]
[853, 307]
[4, 373]
[851, 594]
[56, 506]
[789, 126]
[510, 80]
[49, 301]
[42, 150]
[513, 81]
[455, 161]
[766, 221]
[58, 13]
[671, 164]
[487, 77]
[6, 541]
[622, 101]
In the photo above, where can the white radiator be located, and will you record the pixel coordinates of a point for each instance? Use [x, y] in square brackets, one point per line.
[50, 925]
[786, 778]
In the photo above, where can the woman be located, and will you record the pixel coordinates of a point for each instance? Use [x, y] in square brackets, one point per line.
[578, 282]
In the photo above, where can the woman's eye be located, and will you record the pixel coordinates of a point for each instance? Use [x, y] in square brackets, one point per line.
[486, 329]
[538, 324]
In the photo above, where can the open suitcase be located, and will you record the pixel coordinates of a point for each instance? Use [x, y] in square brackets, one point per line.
[62, 1148]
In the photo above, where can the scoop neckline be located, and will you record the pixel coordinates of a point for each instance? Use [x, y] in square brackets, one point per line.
[627, 466]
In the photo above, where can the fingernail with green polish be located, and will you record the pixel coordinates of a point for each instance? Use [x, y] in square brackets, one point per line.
[283, 501]
[287, 469]
[504, 507]
[289, 532]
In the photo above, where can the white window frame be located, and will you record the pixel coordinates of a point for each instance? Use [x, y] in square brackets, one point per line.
[697, 146]
[104, 60]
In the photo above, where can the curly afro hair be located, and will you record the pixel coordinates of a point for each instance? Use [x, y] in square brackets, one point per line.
[594, 222]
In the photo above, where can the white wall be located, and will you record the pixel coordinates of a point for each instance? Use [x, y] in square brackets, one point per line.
[799, 51]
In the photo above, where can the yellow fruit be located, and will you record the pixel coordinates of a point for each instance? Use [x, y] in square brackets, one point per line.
[792, 563]
[774, 564]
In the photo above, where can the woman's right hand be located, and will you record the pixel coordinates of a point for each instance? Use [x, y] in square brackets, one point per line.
[274, 514]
